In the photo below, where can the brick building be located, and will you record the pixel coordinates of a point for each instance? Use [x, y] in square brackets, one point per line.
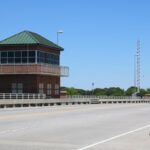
[29, 63]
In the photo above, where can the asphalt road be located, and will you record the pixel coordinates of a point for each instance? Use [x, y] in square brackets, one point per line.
[76, 127]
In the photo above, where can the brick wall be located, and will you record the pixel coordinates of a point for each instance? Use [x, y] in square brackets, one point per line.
[30, 83]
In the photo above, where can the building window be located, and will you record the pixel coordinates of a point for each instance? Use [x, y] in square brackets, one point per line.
[56, 89]
[20, 88]
[17, 88]
[41, 88]
[31, 57]
[28, 56]
[49, 89]
[18, 57]
[14, 88]
[4, 57]
[24, 57]
[47, 58]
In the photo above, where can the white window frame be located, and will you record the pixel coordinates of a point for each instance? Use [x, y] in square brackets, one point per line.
[49, 89]
[56, 89]
[17, 88]
[41, 88]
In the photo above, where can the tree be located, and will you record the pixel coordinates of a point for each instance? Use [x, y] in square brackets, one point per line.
[142, 92]
[148, 91]
[114, 91]
[70, 91]
[99, 91]
[130, 91]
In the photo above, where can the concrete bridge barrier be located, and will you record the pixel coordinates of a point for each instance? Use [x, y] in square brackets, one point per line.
[42, 101]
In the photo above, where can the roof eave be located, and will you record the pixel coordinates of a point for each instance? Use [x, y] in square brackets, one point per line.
[60, 49]
[16, 44]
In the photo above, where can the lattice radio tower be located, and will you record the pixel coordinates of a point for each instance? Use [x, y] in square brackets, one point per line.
[138, 66]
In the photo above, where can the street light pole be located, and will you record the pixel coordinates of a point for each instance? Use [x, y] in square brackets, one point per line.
[59, 32]
[92, 88]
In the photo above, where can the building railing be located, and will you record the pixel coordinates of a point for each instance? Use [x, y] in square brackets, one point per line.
[69, 97]
[22, 96]
[104, 97]
[34, 69]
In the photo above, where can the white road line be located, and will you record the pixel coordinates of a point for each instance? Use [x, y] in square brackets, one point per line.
[112, 138]
[14, 130]
[2, 132]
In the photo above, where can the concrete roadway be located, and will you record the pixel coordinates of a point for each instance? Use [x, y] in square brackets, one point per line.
[76, 127]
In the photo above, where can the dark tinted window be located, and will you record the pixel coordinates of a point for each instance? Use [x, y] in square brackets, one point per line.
[28, 56]
[10, 54]
[31, 53]
[48, 58]
[3, 60]
[17, 54]
[11, 60]
[24, 60]
[31, 60]
[4, 54]
[24, 53]
[42, 54]
[17, 60]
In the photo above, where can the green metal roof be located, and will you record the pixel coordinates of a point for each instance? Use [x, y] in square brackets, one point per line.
[29, 38]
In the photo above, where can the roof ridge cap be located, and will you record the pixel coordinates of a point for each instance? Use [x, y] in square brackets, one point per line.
[30, 33]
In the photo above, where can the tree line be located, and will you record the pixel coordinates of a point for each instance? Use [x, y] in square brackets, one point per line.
[112, 91]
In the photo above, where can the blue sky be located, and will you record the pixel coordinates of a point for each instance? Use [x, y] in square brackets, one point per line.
[99, 36]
